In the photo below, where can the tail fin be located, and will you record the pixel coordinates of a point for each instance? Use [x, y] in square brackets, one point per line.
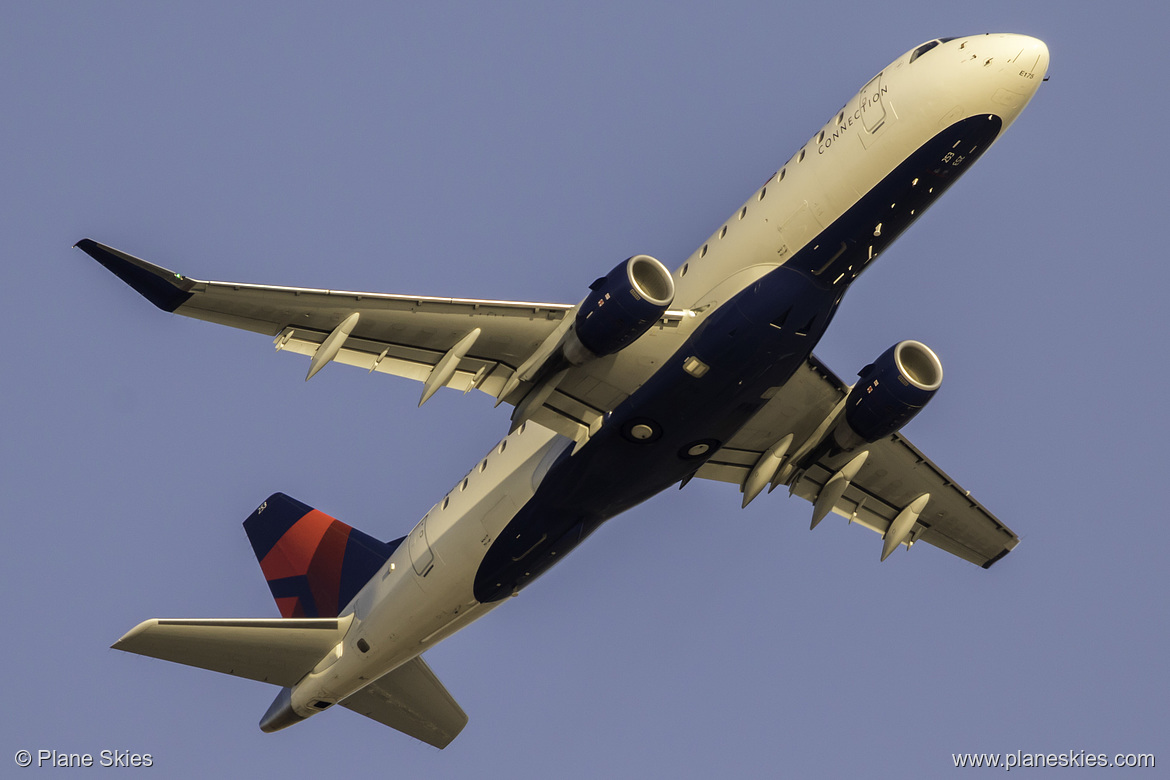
[314, 564]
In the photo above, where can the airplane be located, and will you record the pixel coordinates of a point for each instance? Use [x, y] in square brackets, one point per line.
[654, 378]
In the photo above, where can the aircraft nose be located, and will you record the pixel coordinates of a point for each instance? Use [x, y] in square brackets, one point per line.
[1026, 65]
[1032, 56]
[1011, 68]
[1011, 53]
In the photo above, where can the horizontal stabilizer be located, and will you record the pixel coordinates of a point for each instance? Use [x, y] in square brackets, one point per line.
[411, 699]
[275, 650]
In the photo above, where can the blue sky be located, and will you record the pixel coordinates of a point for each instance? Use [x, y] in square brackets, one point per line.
[519, 151]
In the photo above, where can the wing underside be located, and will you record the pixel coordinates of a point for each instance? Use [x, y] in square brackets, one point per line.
[895, 474]
[461, 343]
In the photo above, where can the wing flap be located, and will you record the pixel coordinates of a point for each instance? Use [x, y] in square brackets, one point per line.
[277, 650]
[402, 360]
[411, 699]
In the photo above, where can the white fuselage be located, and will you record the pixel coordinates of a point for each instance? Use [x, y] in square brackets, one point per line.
[424, 592]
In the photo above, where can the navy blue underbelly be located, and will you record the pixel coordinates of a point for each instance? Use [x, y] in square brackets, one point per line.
[676, 421]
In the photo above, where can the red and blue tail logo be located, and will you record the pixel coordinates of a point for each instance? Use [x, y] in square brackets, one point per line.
[314, 564]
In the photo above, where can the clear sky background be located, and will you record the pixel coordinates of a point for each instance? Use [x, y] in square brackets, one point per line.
[518, 151]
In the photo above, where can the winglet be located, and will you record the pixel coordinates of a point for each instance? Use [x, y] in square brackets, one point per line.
[162, 287]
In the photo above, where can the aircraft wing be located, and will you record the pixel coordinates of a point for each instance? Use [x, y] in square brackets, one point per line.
[453, 342]
[394, 334]
[893, 476]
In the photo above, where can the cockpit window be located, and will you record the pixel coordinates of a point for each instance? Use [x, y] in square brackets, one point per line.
[923, 49]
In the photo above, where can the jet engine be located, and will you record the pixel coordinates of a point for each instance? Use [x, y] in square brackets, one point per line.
[621, 306]
[890, 391]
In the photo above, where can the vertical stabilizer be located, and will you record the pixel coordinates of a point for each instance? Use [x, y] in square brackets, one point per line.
[314, 564]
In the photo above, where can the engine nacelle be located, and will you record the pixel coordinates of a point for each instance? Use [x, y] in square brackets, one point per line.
[890, 391]
[621, 306]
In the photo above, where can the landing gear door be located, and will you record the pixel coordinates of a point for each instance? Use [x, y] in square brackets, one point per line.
[420, 550]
